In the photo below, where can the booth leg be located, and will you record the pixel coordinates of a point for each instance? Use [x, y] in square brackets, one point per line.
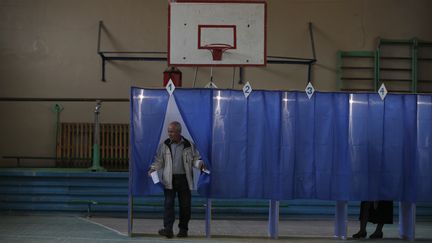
[273, 226]
[341, 220]
[407, 218]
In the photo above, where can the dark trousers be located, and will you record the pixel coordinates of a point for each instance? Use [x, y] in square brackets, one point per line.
[181, 187]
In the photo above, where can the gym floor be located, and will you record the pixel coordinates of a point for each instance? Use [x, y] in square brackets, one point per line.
[69, 228]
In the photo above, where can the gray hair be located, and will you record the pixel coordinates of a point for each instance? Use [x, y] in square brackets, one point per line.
[177, 125]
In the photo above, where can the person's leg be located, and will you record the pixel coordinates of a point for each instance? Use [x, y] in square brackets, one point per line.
[364, 216]
[378, 232]
[184, 197]
[379, 227]
[169, 213]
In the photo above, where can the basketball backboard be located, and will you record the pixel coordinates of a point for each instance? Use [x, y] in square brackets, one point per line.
[217, 33]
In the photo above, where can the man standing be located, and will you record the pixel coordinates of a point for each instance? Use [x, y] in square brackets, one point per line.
[175, 157]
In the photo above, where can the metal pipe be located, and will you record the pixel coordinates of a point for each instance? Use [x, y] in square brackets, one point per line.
[96, 140]
[28, 157]
[29, 99]
[292, 58]
[135, 58]
[195, 77]
[424, 43]
[141, 58]
[312, 40]
[299, 62]
[377, 79]
[57, 109]
[103, 66]
[134, 52]
[234, 71]
[241, 74]
[21, 157]
[394, 42]
[414, 55]
[99, 35]
[339, 68]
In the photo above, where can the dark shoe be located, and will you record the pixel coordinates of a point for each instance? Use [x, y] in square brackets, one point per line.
[360, 235]
[182, 234]
[166, 233]
[376, 235]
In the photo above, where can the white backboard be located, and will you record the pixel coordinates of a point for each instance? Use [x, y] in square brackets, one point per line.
[192, 25]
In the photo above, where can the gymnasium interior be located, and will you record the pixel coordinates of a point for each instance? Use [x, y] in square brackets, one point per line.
[300, 109]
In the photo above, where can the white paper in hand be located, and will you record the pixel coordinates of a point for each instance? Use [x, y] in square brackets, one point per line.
[155, 177]
[206, 171]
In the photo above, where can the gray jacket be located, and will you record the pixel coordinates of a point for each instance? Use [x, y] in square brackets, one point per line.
[163, 162]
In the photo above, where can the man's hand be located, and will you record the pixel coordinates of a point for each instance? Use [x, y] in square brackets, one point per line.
[150, 171]
[202, 167]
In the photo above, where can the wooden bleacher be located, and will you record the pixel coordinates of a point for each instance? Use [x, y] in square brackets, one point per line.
[75, 143]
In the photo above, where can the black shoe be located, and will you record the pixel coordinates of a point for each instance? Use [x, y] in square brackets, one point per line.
[360, 235]
[376, 235]
[182, 234]
[166, 233]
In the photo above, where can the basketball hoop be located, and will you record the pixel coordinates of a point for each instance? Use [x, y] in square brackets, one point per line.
[237, 27]
[217, 50]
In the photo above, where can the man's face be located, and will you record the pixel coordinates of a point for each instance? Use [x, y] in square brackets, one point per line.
[173, 133]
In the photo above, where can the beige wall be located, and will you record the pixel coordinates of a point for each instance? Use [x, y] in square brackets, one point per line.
[48, 49]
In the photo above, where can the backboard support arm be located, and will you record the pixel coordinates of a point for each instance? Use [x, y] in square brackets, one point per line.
[155, 56]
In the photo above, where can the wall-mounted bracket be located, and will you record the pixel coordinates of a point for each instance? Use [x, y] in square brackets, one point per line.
[162, 56]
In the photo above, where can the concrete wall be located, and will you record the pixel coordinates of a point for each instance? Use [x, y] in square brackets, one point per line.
[48, 49]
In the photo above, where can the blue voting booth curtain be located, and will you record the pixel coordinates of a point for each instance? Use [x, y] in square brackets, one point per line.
[148, 108]
[422, 169]
[382, 146]
[195, 107]
[283, 145]
[313, 149]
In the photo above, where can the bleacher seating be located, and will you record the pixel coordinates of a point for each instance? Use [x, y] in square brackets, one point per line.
[106, 193]
[75, 143]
